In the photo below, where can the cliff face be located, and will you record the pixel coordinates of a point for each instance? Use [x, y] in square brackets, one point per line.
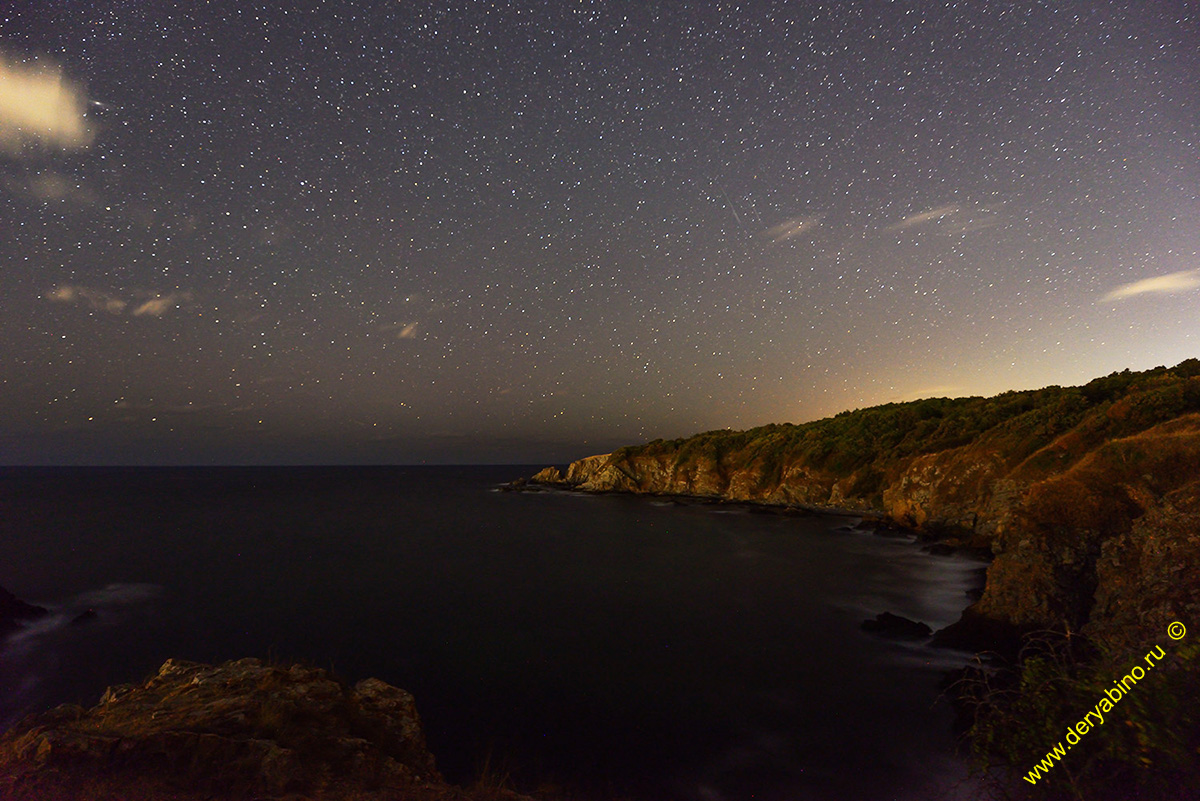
[1084, 494]
[238, 730]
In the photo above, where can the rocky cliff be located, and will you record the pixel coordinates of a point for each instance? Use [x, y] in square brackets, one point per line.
[239, 730]
[1086, 495]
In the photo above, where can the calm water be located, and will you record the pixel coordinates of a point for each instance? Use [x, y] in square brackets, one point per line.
[614, 644]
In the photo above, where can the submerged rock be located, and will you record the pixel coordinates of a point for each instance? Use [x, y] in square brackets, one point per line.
[238, 730]
[86, 616]
[896, 627]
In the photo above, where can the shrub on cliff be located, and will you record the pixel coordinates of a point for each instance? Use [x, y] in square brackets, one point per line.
[1146, 747]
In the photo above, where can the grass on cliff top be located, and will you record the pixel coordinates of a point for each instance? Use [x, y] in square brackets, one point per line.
[1015, 424]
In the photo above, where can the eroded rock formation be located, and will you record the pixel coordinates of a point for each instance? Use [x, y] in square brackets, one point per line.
[238, 730]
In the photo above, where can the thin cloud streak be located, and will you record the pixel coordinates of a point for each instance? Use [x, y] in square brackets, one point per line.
[931, 215]
[1170, 284]
[792, 228]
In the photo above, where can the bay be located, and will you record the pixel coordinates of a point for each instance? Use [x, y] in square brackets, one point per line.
[612, 646]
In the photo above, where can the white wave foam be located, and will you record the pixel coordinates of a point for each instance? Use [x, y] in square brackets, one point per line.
[117, 594]
[19, 643]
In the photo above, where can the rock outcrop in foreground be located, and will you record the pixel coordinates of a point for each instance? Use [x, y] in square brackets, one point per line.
[240, 730]
[1089, 496]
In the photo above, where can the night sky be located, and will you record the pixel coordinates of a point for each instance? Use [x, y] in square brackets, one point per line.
[527, 232]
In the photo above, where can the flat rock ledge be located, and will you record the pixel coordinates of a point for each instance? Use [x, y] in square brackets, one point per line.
[239, 730]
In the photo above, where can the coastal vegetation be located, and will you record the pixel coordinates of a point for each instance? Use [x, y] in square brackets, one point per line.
[1141, 743]
[871, 444]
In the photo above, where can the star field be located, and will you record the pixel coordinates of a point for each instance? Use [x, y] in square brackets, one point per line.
[526, 232]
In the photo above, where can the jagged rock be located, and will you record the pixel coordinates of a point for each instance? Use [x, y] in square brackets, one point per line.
[549, 475]
[86, 616]
[978, 633]
[1149, 576]
[896, 627]
[13, 611]
[237, 730]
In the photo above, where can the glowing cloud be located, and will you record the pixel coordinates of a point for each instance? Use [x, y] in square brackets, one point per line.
[39, 105]
[925, 216]
[1159, 285]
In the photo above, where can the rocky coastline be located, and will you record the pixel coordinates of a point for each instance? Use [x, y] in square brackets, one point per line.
[1088, 498]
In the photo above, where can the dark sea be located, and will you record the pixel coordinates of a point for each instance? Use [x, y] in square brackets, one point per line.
[613, 646]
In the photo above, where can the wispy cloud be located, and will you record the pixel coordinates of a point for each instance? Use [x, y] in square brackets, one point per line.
[53, 186]
[932, 215]
[1169, 284]
[401, 330]
[125, 409]
[981, 221]
[100, 301]
[48, 186]
[792, 228]
[39, 105]
[154, 306]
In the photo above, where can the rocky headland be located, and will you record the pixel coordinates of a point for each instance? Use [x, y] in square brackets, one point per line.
[239, 730]
[1088, 497]
[14, 612]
